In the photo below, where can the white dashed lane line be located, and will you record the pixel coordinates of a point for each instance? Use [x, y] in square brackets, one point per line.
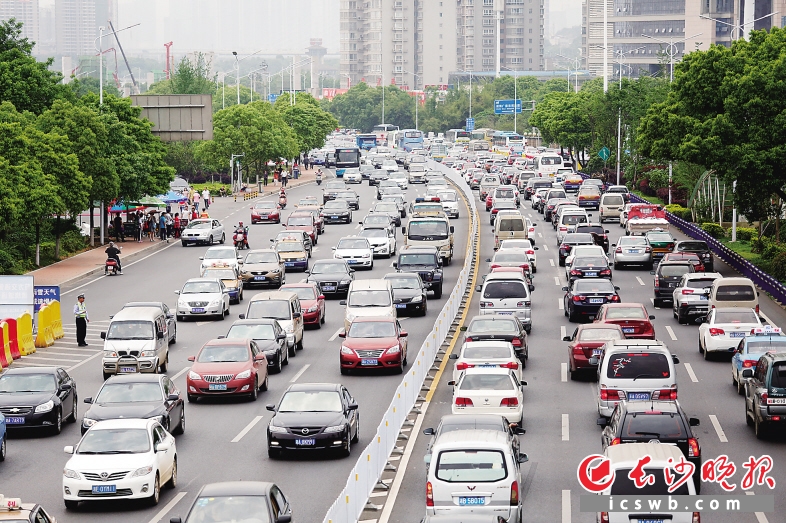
[247, 429]
[182, 371]
[300, 373]
[718, 429]
[562, 332]
[545, 247]
[335, 335]
[560, 304]
[564, 372]
[551, 262]
[689, 370]
[641, 282]
[566, 506]
[565, 427]
[671, 333]
[556, 280]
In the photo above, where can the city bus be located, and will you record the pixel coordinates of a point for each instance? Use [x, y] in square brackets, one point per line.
[381, 132]
[409, 139]
[546, 164]
[457, 136]
[482, 134]
[438, 151]
[346, 157]
[366, 141]
[510, 143]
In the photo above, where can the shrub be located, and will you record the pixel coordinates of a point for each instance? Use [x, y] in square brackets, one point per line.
[771, 249]
[746, 233]
[675, 208]
[777, 266]
[663, 194]
[714, 230]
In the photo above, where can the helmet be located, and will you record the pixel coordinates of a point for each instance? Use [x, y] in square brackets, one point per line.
[111, 244]
[81, 296]
[240, 224]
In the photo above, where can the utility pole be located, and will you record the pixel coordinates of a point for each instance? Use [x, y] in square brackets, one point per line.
[605, 47]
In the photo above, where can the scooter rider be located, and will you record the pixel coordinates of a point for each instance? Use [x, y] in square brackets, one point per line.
[244, 230]
[113, 253]
[319, 176]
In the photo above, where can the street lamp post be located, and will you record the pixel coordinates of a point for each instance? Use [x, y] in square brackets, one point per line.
[417, 101]
[237, 69]
[99, 48]
[621, 62]
[235, 186]
[737, 27]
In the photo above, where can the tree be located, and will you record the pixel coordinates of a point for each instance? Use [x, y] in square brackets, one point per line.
[81, 86]
[309, 122]
[190, 77]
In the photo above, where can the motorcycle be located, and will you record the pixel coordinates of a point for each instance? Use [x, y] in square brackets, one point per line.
[319, 178]
[282, 201]
[240, 238]
[110, 267]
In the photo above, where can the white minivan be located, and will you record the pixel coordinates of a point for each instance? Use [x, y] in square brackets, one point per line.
[508, 294]
[137, 341]
[368, 298]
[474, 472]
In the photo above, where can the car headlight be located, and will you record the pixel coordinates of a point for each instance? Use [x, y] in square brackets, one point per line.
[275, 271]
[215, 303]
[347, 351]
[193, 375]
[148, 353]
[289, 329]
[366, 255]
[142, 471]
[417, 299]
[159, 419]
[71, 474]
[110, 354]
[182, 305]
[334, 428]
[45, 407]
[87, 422]
[349, 316]
[345, 282]
[395, 349]
[244, 375]
[312, 309]
[276, 429]
[301, 259]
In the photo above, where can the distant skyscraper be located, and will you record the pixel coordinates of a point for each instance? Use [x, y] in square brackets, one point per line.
[77, 23]
[25, 11]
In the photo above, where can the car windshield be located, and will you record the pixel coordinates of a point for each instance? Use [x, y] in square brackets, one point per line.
[201, 287]
[487, 382]
[328, 268]
[373, 233]
[129, 393]
[660, 237]
[223, 354]
[376, 220]
[219, 254]
[417, 259]
[267, 205]
[198, 225]
[115, 441]
[418, 230]
[336, 205]
[778, 377]
[736, 316]
[641, 365]
[503, 290]
[273, 309]
[626, 313]
[308, 401]
[735, 293]
[504, 193]
[10, 383]
[447, 197]
[481, 326]
[308, 201]
[624, 486]
[673, 271]
[481, 353]
[692, 246]
[335, 185]
[264, 331]
[589, 261]
[300, 221]
[379, 298]
[261, 257]
[372, 329]
[404, 282]
[613, 199]
[630, 241]
[230, 509]
[303, 293]
[461, 466]
[572, 219]
[592, 229]
[590, 286]
[352, 244]
[510, 257]
[220, 274]
[289, 247]
[130, 330]
[599, 335]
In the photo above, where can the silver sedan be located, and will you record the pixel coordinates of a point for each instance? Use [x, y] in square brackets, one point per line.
[632, 250]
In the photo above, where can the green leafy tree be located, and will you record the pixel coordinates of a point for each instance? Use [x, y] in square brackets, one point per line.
[190, 77]
[309, 122]
[81, 86]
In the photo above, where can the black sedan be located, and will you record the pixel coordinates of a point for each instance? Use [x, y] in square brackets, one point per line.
[409, 293]
[313, 416]
[590, 267]
[569, 241]
[332, 188]
[225, 501]
[585, 296]
[37, 397]
[269, 336]
[336, 211]
[699, 247]
[493, 327]
[599, 234]
[377, 176]
[138, 396]
[351, 197]
[365, 171]
[331, 276]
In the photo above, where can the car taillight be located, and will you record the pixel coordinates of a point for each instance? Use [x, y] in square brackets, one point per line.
[510, 365]
[666, 394]
[748, 364]
[700, 268]
[464, 402]
[616, 441]
[757, 309]
[509, 402]
[647, 249]
[687, 291]
[578, 350]
[575, 272]
[516, 342]
[693, 448]
[524, 266]
[464, 366]
[657, 281]
[615, 298]
[485, 304]
[764, 398]
[429, 494]
[604, 516]
[716, 332]
[577, 299]
[609, 394]
[496, 266]
[469, 338]
[514, 494]
[494, 211]
[605, 272]
[696, 517]
[563, 228]
[618, 250]
[531, 251]
[670, 246]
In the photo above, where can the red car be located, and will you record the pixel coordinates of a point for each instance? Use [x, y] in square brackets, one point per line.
[227, 367]
[374, 343]
[587, 341]
[312, 302]
[265, 212]
[633, 318]
[488, 203]
[303, 221]
[692, 257]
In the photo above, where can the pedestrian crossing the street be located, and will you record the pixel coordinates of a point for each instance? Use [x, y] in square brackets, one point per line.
[65, 352]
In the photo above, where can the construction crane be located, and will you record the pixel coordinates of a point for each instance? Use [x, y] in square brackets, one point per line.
[133, 80]
[168, 69]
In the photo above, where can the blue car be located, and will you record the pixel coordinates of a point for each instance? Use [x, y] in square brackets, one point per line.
[751, 347]
[2, 437]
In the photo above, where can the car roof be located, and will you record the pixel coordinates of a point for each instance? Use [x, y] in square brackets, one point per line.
[733, 281]
[156, 304]
[254, 251]
[191, 280]
[374, 319]
[314, 387]
[503, 276]
[473, 438]
[487, 343]
[31, 370]
[235, 488]
[632, 345]
[734, 309]
[135, 378]
[273, 295]
[414, 249]
[142, 313]
[703, 275]
[226, 342]
[647, 406]
[391, 275]
[256, 321]
[629, 454]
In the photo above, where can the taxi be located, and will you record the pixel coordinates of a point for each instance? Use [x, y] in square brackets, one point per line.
[293, 253]
[573, 182]
[760, 340]
[316, 211]
[661, 242]
[12, 509]
[231, 278]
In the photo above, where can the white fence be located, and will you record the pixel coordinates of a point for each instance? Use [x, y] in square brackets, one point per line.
[371, 463]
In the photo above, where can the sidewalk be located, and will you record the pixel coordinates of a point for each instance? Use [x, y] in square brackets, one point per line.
[92, 261]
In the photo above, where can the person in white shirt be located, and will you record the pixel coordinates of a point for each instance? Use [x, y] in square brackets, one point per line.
[206, 198]
[82, 319]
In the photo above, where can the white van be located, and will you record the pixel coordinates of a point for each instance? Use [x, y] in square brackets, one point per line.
[567, 221]
[368, 298]
[635, 370]
[474, 472]
[509, 294]
[611, 206]
[734, 292]
[547, 164]
[510, 227]
[137, 341]
[283, 306]
[487, 184]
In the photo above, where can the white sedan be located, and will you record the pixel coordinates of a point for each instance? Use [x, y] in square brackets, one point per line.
[382, 240]
[486, 355]
[357, 252]
[226, 256]
[390, 165]
[522, 244]
[724, 328]
[352, 175]
[489, 391]
[120, 459]
[201, 297]
[203, 230]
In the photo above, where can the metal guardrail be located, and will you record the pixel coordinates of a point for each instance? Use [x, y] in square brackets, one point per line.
[369, 467]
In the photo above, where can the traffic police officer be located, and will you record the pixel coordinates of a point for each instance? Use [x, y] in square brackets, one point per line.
[82, 319]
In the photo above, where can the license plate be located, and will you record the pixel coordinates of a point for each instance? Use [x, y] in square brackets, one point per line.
[289, 264]
[649, 520]
[672, 285]
[770, 401]
[217, 386]
[15, 420]
[506, 313]
[104, 489]
[351, 261]
[639, 396]
[633, 251]
[590, 274]
[369, 362]
[334, 217]
[259, 278]
[596, 300]
[597, 352]
[401, 305]
[198, 310]
[704, 298]
[737, 334]
[487, 366]
[306, 442]
[628, 330]
[328, 287]
[472, 500]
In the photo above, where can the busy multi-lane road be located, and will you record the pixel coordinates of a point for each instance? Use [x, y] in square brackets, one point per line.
[560, 414]
[224, 439]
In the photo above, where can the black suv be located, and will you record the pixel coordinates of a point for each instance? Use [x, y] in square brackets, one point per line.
[765, 393]
[425, 261]
[699, 247]
[644, 421]
[667, 276]
[569, 241]
[599, 234]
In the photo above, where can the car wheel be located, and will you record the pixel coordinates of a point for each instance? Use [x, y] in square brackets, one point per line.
[400, 368]
[357, 431]
[658, 303]
[748, 419]
[528, 329]
[184, 244]
[180, 318]
[438, 292]
[681, 318]
[348, 445]
[57, 428]
[292, 350]
[322, 321]
[156, 495]
[273, 453]
[72, 417]
[174, 336]
[759, 428]
[162, 368]
[2, 450]
[181, 424]
[172, 483]
[210, 240]
[192, 398]
[707, 355]
[70, 504]
[106, 376]
[299, 345]
[279, 363]
[223, 238]
[266, 383]
[254, 391]
[740, 387]
[344, 371]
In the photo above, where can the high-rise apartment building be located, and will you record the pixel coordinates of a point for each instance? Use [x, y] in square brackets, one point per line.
[25, 11]
[77, 23]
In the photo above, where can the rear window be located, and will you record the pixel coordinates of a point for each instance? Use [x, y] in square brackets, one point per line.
[599, 335]
[487, 352]
[458, 466]
[741, 316]
[585, 286]
[501, 290]
[692, 246]
[778, 377]
[673, 271]
[624, 486]
[589, 261]
[511, 224]
[760, 347]
[658, 425]
[735, 293]
[572, 219]
[641, 365]
[493, 326]
[626, 313]
[613, 199]
[591, 229]
[700, 283]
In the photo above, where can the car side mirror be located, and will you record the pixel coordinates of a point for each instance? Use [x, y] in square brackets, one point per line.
[453, 357]
[616, 288]
[65, 387]
[192, 358]
[284, 518]
[747, 373]
[89, 401]
[177, 292]
[523, 383]
[601, 422]
[488, 260]
[594, 360]
[342, 302]
[242, 316]
[160, 335]
[403, 334]
[296, 315]
[519, 431]
[395, 265]
[175, 520]
[259, 357]
[694, 422]
[611, 264]
[452, 383]
[451, 229]
[281, 336]
[352, 406]
[567, 338]
[535, 249]
[173, 397]
[428, 432]
[531, 287]
[565, 289]
[272, 240]
[652, 317]
[652, 272]
[613, 244]
[103, 335]
[403, 230]
[68, 449]
[163, 446]
[675, 359]
[522, 458]
[478, 288]
[342, 334]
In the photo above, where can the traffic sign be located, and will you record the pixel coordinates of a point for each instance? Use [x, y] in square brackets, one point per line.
[470, 124]
[604, 153]
[272, 97]
[507, 106]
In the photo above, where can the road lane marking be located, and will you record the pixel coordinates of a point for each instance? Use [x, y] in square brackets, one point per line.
[760, 517]
[564, 372]
[247, 429]
[766, 318]
[689, 370]
[562, 332]
[671, 333]
[72, 367]
[566, 506]
[357, 226]
[641, 282]
[201, 323]
[718, 428]
[540, 235]
[560, 305]
[169, 506]
[529, 214]
[556, 280]
[565, 428]
[303, 280]
[392, 263]
[182, 371]
[300, 373]
[551, 261]
[652, 300]
[546, 247]
[335, 335]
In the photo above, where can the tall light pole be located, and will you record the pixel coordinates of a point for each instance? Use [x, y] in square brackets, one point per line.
[237, 69]
[97, 44]
[417, 98]
[576, 64]
[605, 47]
[621, 62]
[738, 27]
[515, 98]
